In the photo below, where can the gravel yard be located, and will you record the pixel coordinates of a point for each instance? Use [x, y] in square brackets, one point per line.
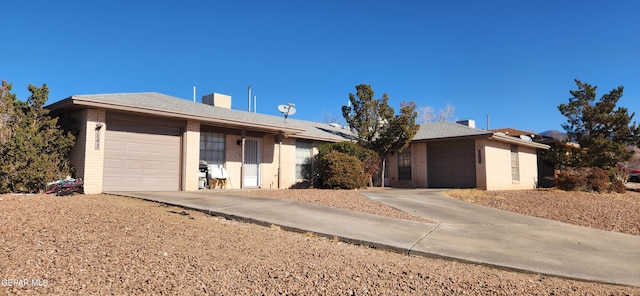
[90, 244]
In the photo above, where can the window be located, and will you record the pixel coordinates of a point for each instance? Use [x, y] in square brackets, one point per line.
[304, 151]
[212, 148]
[404, 164]
[515, 165]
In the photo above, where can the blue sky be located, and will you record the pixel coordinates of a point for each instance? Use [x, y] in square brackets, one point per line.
[512, 60]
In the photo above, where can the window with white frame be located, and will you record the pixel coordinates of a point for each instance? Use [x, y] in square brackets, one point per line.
[515, 163]
[212, 148]
[304, 152]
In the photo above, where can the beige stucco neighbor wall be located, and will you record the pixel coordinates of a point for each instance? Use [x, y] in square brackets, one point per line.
[497, 156]
[86, 157]
[190, 156]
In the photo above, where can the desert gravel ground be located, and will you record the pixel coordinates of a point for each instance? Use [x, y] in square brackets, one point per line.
[102, 244]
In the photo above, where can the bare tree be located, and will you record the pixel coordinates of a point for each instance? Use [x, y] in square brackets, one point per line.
[330, 118]
[428, 114]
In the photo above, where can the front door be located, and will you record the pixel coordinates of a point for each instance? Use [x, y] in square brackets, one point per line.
[251, 163]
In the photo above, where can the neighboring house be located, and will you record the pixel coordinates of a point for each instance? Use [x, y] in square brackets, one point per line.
[458, 155]
[155, 142]
[546, 172]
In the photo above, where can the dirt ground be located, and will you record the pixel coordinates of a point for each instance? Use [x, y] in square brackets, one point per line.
[102, 244]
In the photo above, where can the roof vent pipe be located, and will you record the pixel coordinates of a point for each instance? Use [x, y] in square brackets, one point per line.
[249, 100]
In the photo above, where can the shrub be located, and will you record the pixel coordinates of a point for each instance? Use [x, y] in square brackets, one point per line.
[618, 186]
[584, 179]
[342, 171]
[368, 158]
[598, 180]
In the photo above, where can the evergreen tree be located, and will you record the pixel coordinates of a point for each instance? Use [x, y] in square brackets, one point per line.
[601, 128]
[6, 112]
[36, 150]
[376, 124]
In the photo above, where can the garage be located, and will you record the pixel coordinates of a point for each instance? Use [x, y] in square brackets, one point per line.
[451, 164]
[141, 155]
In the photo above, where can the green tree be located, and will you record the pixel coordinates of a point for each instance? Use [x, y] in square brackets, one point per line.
[7, 112]
[376, 124]
[601, 128]
[37, 149]
[367, 116]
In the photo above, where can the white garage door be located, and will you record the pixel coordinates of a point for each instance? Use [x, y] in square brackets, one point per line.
[141, 157]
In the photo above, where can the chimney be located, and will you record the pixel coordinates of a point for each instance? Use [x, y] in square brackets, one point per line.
[468, 122]
[217, 100]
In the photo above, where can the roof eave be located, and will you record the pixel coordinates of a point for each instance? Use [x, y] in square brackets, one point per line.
[80, 101]
[477, 136]
[323, 139]
[512, 140]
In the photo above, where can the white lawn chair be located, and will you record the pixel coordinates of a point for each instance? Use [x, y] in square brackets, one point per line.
[218, 176]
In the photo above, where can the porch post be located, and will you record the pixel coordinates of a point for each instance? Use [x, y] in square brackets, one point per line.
[244, 136]
[279, 159]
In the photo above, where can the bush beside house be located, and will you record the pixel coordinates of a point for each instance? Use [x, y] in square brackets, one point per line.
[588, 179]
[342, 171]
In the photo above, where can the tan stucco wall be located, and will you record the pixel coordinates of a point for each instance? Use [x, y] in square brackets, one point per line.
[270, 153]
[419, 164]
[528, 168]
[190, 156]
[77, 152]
[392, 169]
[89, 161]
[288, 164]
[418, 167]
[498, 166]
[233, 161]
[481, 164]
[269, 167]
[86, 157]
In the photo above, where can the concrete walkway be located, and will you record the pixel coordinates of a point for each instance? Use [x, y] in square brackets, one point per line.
[463, 231]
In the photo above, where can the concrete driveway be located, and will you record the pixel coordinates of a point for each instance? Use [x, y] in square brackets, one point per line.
[463, 231]
[480, 234]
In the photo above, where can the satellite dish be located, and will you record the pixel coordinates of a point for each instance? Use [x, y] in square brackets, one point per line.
[287, 110]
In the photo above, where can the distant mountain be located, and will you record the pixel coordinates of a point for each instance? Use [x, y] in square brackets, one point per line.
[554, 134]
